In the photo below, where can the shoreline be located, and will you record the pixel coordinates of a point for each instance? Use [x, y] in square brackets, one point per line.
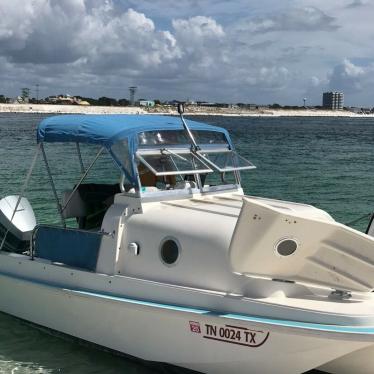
[190, 111]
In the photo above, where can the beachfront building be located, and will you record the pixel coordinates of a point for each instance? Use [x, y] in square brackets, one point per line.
[333, 100]
[66, 100]
[148, 103]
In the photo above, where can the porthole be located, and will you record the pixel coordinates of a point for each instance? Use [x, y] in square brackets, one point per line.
[286, 247]
[169, 251]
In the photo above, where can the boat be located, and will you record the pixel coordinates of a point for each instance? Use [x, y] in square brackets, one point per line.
[174, 264]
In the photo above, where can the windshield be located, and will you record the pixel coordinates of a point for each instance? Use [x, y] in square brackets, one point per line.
[179, 137]
[165, 159]
[179, 168]
[169, 162]
[225, 160]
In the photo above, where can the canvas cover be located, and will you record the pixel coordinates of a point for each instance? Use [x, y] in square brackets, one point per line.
[110, 130]
[105, 130]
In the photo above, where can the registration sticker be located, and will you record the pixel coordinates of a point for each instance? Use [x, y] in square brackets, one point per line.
[195, 327]
[231, 334]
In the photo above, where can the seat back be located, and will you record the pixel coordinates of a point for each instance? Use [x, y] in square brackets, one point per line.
[72, 247]
[76, 207]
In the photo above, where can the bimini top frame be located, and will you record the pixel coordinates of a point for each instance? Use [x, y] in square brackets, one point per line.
[109, 130]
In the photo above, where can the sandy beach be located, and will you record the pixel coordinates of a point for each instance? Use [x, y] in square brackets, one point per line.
[68, 109]
[190, 110]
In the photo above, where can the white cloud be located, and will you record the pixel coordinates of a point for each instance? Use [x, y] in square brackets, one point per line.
[203, 44]
[273, 78]
[129, 40]
[357, 3]
[195, 28]
[348, 76]
[298, 19]
[260, 51]
[17, 18]
[315, 81]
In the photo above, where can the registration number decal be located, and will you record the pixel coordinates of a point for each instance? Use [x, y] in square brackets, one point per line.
[231, 334]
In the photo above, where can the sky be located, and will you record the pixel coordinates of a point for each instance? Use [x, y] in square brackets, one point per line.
[251, 51]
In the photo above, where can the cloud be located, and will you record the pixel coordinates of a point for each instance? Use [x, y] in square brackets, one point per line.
[297, 19]
[259, 51]
[354, 80]
[66, 31]
[357, 4]
[203, 44]
[41, 31]
[128, 41]
[273, 78]
[350, 77]
[197, 29]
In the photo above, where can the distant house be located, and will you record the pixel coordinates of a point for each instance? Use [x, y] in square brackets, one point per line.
[52, 99]
[172, 102]
[22, 100]
[83, 102]
[62, 99]
[148, 103]
[360, 110]
[66, 100]
[256, 106]
[204, 103]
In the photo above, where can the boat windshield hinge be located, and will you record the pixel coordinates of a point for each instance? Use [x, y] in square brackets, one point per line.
[340, 295]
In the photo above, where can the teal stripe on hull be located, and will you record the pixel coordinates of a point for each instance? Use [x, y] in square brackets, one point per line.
[367, 330]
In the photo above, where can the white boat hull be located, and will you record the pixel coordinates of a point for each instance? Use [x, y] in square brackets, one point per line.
[190, 338]
[358, 362]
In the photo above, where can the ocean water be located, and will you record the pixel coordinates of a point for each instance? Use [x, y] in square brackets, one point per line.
[326, 162]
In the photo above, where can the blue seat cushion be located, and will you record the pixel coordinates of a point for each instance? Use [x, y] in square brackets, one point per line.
[71, 247]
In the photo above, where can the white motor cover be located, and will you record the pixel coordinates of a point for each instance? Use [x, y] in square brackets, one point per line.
[23, 222]
[315, 248]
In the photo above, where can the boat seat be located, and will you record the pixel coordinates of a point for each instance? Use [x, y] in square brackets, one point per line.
[76, 207]
[71, 247]
[89, 203]
[97, 198]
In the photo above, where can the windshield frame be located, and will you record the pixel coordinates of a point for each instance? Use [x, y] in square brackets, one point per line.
[174, 151]
[200, 152]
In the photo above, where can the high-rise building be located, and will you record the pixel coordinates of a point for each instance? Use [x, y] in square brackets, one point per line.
[333, 100]
[132, 95]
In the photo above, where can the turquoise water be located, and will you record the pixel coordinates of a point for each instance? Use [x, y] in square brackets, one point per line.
[327, 162]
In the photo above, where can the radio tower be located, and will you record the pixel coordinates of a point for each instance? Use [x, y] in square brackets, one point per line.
[132, 94]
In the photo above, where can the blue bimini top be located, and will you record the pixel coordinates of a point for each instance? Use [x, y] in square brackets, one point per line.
[109, 129]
